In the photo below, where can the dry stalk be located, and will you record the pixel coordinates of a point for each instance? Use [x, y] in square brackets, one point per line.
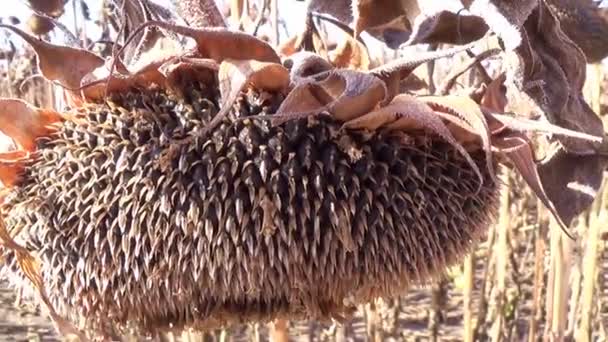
[539, 271]
[561, 254]
[279, 331]
[469, 285]
[597, 219]
[438, 296]
[486, 286]
[236, 10]
[274, 21]
[502, 257]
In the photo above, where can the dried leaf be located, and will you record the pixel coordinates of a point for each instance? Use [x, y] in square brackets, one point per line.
[304, 64]
[186, 70]
[289, 47]
[469, 111]
[12, 165]
[519, 150]
[526, 125]
[548, 68]
[445, 27]
[346, 94]
[52, 61]
[495, 95]
[95, 88]
[25, 123]
[406, 113]
[350, 54]
[571, 181]
[219, 43]
[200, 13]
[235, 75]
[374, 13]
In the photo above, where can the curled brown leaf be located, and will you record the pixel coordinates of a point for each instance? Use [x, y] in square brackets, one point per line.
[219, 43]
[406, 113]
[52, 61]
[345, 94]
[25, 123]
[235, 75]
[469, 111]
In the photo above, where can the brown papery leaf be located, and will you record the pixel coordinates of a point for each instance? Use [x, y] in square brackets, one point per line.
[519, 150]
[289, 47]
[350, 54]
[566, 180]
[407, 113]
[236, 75]
[219, 43]
[468, 110]
[373, 13]
[345, 94]
[12, 165]
[185, 70]
[63, 64]
[495, 96]
[25, 123]
[94, 87]
[526, 125]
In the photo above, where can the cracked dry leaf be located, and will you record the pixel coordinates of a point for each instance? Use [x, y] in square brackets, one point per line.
[407, 113]
[344, 93]
[52, 62]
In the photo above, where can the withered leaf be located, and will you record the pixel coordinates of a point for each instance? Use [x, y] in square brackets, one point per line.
[571, 181]
[304, 64]
[373, 13]
[469, 111]
[346, 94]
[350, 54]
[52, 61]
[235, 75]
[95, 87]
[220, 43]
[495, 97]
[548, 68]
[25, 123]
[186, 69]
[12, 165]
[519, 150]
[406, 113]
